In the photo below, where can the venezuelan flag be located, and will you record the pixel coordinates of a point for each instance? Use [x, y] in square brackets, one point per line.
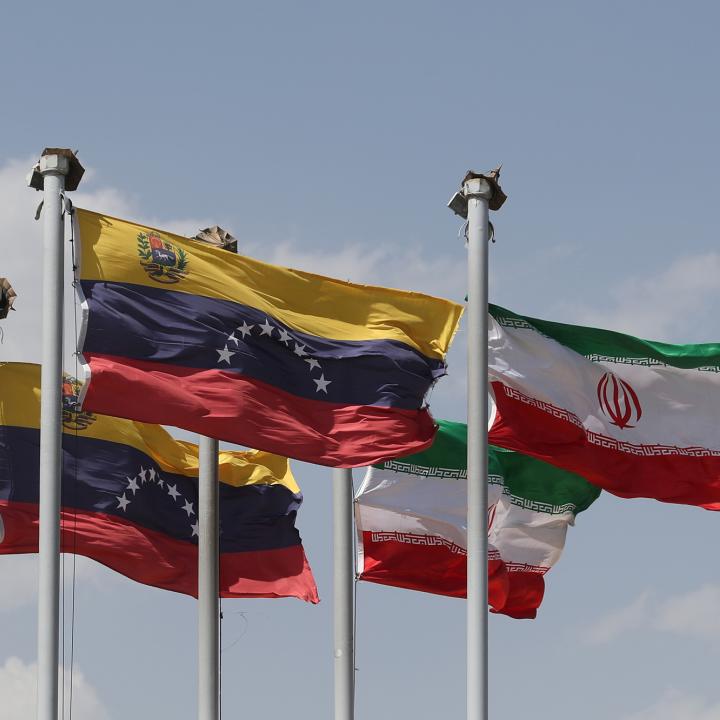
[322, 370]
[130, 499]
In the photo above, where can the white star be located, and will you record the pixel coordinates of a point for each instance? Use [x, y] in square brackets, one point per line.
[141, 475]
[285, 336]
[266, 328]
[123, 502]
[322, 384]
[132, 485]
[152, 474]
[194, 527]
[172, 490]
[189, 508]
[245, 329]
[232, 337]
[300, 350]
[225, 355]
[313, 363]
[161, 482]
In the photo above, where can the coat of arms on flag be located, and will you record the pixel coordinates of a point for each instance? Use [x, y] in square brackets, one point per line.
[73, 418]
[161, 260]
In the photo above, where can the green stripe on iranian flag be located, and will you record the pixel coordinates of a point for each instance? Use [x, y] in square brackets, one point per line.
[636, 417]
[411, 521]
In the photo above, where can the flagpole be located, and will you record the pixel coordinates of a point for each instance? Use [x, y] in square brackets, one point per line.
[50, 175]
[208, 516]
[208, 582]
[209, 545]
[479, 194]
[343, 587]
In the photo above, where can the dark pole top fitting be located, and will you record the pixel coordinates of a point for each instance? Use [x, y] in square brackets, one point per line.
[498, 197]
[74, 174]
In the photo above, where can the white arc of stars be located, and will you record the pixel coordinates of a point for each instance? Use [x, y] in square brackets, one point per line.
[224, 354]
[152, 476]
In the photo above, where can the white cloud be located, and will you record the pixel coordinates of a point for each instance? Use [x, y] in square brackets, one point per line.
[23, 569]
[442, 276]
[347, 263]
[674, 305]
[105, 200]
[619, 622]
[675, 705]
[18, 686]
[693, 614]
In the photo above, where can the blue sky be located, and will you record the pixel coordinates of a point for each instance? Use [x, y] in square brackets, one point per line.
[329, 136]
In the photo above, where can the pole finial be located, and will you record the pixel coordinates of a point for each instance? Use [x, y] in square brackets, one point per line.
[498, 197]
[217, 237]
[488, 186]
[62, 161]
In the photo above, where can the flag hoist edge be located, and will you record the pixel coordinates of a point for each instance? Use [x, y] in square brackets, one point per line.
[129, 499]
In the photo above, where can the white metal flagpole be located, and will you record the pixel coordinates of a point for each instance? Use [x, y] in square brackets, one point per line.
[473, 202]
[477, 192]
[50, 176]
[343, 586]
[208, 516]
[208, 582]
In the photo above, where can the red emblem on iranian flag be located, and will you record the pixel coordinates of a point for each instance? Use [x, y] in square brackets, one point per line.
[618, 401]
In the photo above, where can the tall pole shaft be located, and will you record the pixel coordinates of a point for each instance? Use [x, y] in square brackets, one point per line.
[209, 550]
[208, 582]
[343, 586]
[477, 191]
[53, 169]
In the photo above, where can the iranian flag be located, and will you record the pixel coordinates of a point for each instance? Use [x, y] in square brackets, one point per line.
[411, 516]
[635, 417]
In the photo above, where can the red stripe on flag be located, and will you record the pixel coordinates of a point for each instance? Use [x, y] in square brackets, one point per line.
[152, 558]
[691, 479]
[428, 568]
[230, 407]
[525, 594]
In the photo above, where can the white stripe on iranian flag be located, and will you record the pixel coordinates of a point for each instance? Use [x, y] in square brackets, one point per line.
[641, 404]
[430, 510]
